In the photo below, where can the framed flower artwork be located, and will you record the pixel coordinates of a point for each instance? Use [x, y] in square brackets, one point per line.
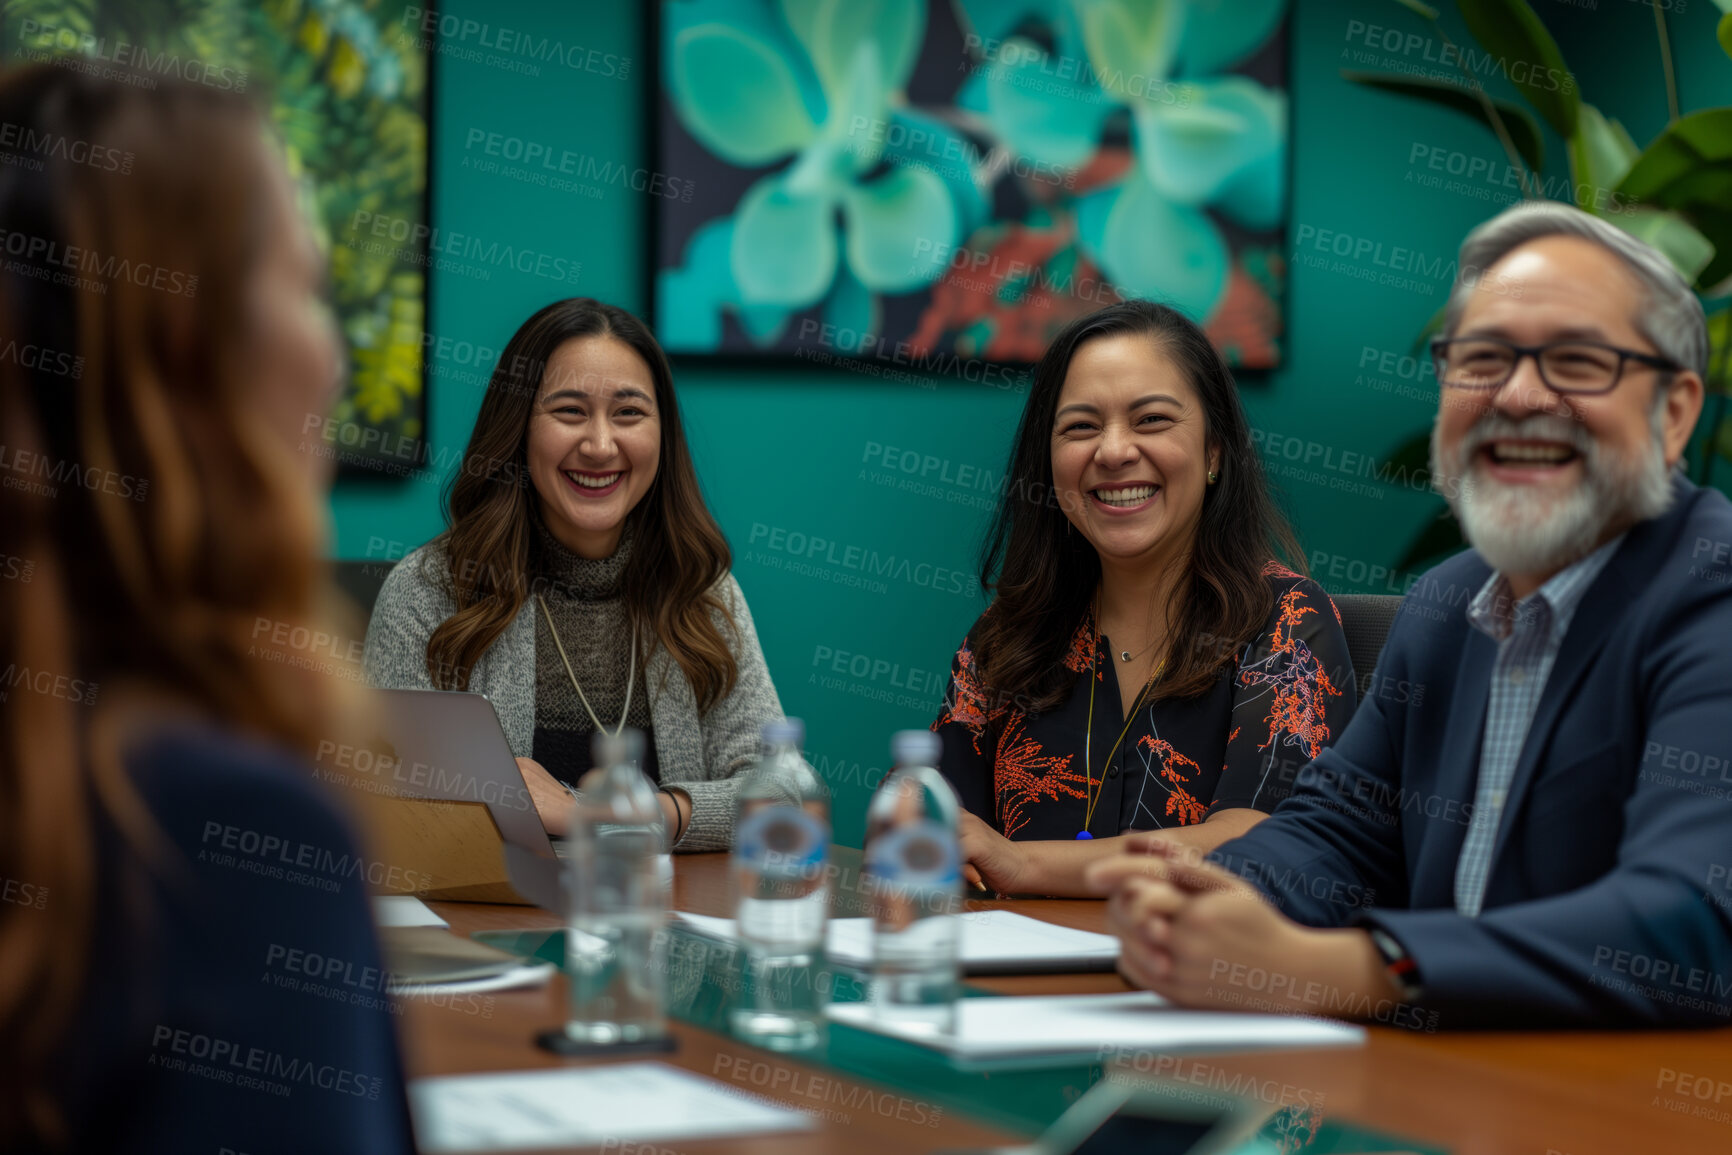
[936, 183]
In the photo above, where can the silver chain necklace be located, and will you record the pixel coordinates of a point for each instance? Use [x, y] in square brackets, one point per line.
[630, 678]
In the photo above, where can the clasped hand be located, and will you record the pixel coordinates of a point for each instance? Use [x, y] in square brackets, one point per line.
[1202, 937]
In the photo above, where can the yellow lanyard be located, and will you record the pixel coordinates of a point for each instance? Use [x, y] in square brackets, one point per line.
[1092, 794]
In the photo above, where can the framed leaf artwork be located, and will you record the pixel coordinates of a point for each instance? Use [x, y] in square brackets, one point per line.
[345, 84]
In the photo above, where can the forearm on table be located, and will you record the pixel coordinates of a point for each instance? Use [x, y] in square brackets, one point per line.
[1220, 827]
[1349, 972]
[676, 807]
[1057, 867]
[709, 813]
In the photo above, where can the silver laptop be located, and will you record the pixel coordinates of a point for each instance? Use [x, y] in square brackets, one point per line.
[449, 746]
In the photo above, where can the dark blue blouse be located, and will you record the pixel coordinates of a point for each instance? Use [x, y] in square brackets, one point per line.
[234, 992]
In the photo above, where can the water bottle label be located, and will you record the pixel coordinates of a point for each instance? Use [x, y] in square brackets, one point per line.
[919, 854]
[782, 841]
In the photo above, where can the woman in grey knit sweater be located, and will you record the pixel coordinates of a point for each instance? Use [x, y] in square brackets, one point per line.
[582, 583]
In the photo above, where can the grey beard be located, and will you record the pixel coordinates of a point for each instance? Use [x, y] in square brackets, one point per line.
[1519, 532]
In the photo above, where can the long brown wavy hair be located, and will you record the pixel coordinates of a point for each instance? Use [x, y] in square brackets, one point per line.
[678, 553]
[149, 516]
[1045, 576]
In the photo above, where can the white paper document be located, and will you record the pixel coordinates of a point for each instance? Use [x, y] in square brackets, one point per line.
[1050, 1025]
[530, 974]
[993, 942]
[404, 910]
[614, 1106]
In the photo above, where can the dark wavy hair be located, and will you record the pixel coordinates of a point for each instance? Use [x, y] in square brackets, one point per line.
[1045, 577]
[678, 554]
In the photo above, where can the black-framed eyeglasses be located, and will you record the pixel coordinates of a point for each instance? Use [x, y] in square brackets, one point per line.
[1574, 367]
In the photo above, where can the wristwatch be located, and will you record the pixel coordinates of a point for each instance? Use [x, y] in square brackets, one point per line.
[1398, 964]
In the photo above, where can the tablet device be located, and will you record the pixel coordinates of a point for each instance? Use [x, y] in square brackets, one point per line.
[1150, 1118]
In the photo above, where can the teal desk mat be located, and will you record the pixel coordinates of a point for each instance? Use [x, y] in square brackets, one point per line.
[1025, 1095]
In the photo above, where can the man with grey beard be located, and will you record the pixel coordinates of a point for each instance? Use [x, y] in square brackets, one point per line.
[1529, 820]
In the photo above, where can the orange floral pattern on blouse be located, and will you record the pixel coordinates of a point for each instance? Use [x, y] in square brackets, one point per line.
[1181, 803]
[1275, 569]
[1081, 655]
[1023, 774]
[968, 701]
[1031, 770]
[1297, 682]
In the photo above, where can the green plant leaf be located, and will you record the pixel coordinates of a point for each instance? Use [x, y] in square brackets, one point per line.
[1716, 225]
[1524, 131]
[1679, 151]
[1725, 33]
[1422, 343]
[1687, 249]
[1719, 356]
[1440, 538]
[1688, 168]
[1607, 152]
[1527, 54]
[1410, 457]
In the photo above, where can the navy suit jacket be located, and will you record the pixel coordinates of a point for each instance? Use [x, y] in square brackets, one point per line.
[1609, 900]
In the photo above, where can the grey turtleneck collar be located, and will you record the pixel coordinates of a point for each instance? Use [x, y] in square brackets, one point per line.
[579, 578]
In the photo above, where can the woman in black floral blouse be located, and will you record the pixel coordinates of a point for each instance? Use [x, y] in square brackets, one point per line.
[1146, 662]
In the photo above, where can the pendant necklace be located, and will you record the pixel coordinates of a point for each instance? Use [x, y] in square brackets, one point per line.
[1092, 794]
[630, 678]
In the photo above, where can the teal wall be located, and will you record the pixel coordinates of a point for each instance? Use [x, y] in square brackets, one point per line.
[792, 455]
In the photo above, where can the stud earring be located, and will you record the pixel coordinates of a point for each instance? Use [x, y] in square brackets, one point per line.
[1213, 476]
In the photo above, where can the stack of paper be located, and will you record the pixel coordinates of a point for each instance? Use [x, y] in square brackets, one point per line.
[993, 942]
[617, 1107]
[1085, 1024]
[403, 910]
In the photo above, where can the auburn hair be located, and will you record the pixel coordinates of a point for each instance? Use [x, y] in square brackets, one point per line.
[150, 517]
[1044, 575]
[678, 555]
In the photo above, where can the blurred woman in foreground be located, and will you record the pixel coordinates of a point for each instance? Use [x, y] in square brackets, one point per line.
[164, 345]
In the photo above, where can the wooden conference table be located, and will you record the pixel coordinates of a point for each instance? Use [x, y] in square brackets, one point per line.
[1529, 1093]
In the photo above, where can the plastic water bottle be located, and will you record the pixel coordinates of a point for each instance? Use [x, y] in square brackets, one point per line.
[781, 893]
[616, 936]
[914, 868]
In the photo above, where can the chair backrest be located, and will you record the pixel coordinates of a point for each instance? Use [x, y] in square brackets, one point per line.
[361, 580]
[1366, 619]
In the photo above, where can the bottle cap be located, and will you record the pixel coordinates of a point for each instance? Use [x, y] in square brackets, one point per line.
[786, 732]
[915, 747]
[612, 749]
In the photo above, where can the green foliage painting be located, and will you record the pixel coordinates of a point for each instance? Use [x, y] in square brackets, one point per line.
[345, 84]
